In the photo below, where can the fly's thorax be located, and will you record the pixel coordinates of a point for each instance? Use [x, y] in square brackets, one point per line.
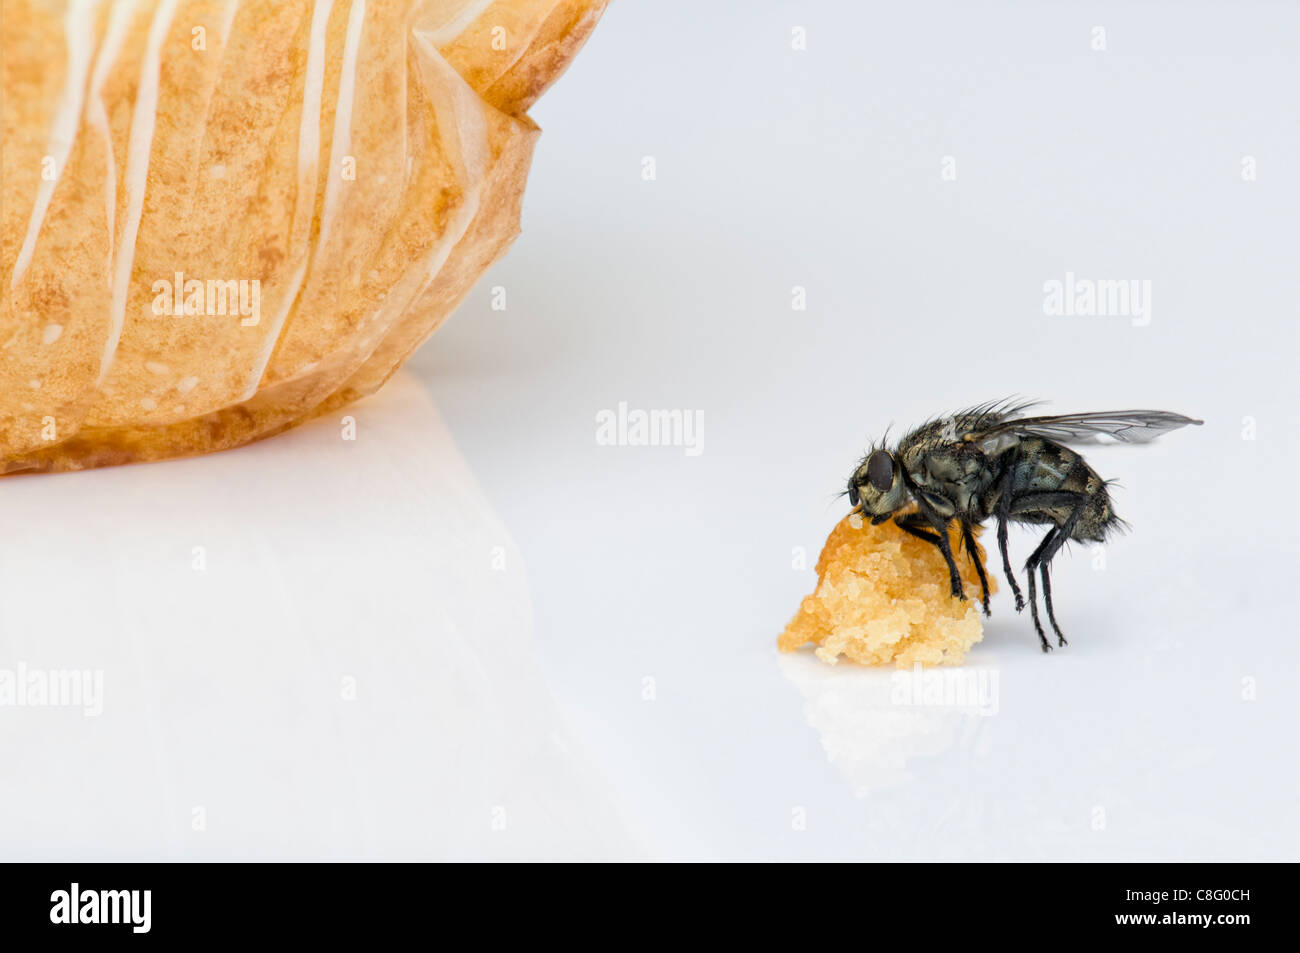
[956, 477]
[911, 455]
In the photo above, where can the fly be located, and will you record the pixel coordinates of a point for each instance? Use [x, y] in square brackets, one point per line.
[991, 461]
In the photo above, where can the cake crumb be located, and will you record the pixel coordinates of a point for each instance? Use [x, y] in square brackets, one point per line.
[882, 597]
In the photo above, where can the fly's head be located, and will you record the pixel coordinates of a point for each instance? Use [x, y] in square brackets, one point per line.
[877, 486]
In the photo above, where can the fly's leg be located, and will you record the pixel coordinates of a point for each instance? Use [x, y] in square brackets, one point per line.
[908, 522]
[1062, 534]
[1042, 504]
[1047, 600]
[954, 577]
[1004, 513]
[968, 540]
[1006, 563]
[945, 546]
[1031, 566]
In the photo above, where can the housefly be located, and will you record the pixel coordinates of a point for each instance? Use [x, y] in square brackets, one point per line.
[992, 461]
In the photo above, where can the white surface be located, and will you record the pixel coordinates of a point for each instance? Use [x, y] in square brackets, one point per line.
[311, 647]
[775, 168]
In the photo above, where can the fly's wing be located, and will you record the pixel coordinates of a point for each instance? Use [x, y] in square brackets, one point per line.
[1117, 426]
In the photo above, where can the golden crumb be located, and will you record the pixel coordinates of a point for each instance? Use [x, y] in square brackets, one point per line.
[882, 596]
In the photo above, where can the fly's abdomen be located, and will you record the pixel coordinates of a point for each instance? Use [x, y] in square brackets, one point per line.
[1098, 517]
[1043, 467]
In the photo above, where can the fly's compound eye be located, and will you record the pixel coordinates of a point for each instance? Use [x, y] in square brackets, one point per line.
[880, 470]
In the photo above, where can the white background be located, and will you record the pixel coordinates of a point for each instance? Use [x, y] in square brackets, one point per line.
[503, 712]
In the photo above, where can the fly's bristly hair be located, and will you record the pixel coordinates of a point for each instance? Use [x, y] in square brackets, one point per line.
[986, 414]
[883, 444]
[1116, 525]
[996, 411]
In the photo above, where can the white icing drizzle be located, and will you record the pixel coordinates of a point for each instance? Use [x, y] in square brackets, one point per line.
[144, 118]
[457, 21]
[305, 200]
[466, 141]
[79, 25]
[120, 15]
[342, 143]
[232, 7]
